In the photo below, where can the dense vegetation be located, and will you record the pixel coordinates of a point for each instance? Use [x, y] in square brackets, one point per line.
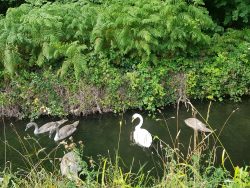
[235, 13]
[60, 57]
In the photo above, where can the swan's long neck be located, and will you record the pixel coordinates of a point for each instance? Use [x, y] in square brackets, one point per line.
[36, 128]
[57, 134]
[140, 123]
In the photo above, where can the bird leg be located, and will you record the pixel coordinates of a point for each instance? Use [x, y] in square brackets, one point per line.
[195, 137]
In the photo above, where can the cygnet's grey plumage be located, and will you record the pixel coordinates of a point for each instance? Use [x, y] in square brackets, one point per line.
[65, 131]
[46, 127]
[70, 165]
[197, 125]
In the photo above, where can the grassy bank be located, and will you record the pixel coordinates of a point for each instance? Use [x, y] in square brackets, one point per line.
[191, 171]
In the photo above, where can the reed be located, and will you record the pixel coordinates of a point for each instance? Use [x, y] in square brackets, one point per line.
[196, 168]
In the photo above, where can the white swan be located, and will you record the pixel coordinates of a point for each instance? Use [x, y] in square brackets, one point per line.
[65, 131]
[141, 136]
[46, 127]
[70, 165]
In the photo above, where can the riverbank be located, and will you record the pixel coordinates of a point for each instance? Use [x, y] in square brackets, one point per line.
[108, 88]
[87, 61]
[108, 172]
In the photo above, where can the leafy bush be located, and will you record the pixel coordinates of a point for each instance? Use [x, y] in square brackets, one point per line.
[116, 55]
[5, 4]
[226, 72]
[234, 13]
[39, 94]
[151, 30]
[70, 34]
[46, 35]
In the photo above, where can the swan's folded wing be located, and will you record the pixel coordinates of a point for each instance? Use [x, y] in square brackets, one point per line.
[66, 131]
[46, 127]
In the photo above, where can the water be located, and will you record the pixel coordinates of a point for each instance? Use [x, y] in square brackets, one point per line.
[101, 135]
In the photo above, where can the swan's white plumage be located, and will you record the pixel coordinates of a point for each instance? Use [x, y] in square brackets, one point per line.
[141, 136]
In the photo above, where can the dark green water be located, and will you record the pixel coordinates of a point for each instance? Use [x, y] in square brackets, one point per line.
[100, 135]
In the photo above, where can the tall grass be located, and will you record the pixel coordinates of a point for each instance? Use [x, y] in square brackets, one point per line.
[196, 168]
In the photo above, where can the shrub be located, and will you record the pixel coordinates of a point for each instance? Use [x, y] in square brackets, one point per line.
[226, 71]
[235, 13]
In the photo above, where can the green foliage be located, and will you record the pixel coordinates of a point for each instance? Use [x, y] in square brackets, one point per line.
[102, 86]
[45, 35]
[36, 95]
[230, 13]
[151, 30]
[116, 55]
[147, 86]
[241, 177]
[227, 67]
[5, 4]
[70, 34]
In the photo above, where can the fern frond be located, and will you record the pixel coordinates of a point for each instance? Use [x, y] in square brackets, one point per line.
[40, 59]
